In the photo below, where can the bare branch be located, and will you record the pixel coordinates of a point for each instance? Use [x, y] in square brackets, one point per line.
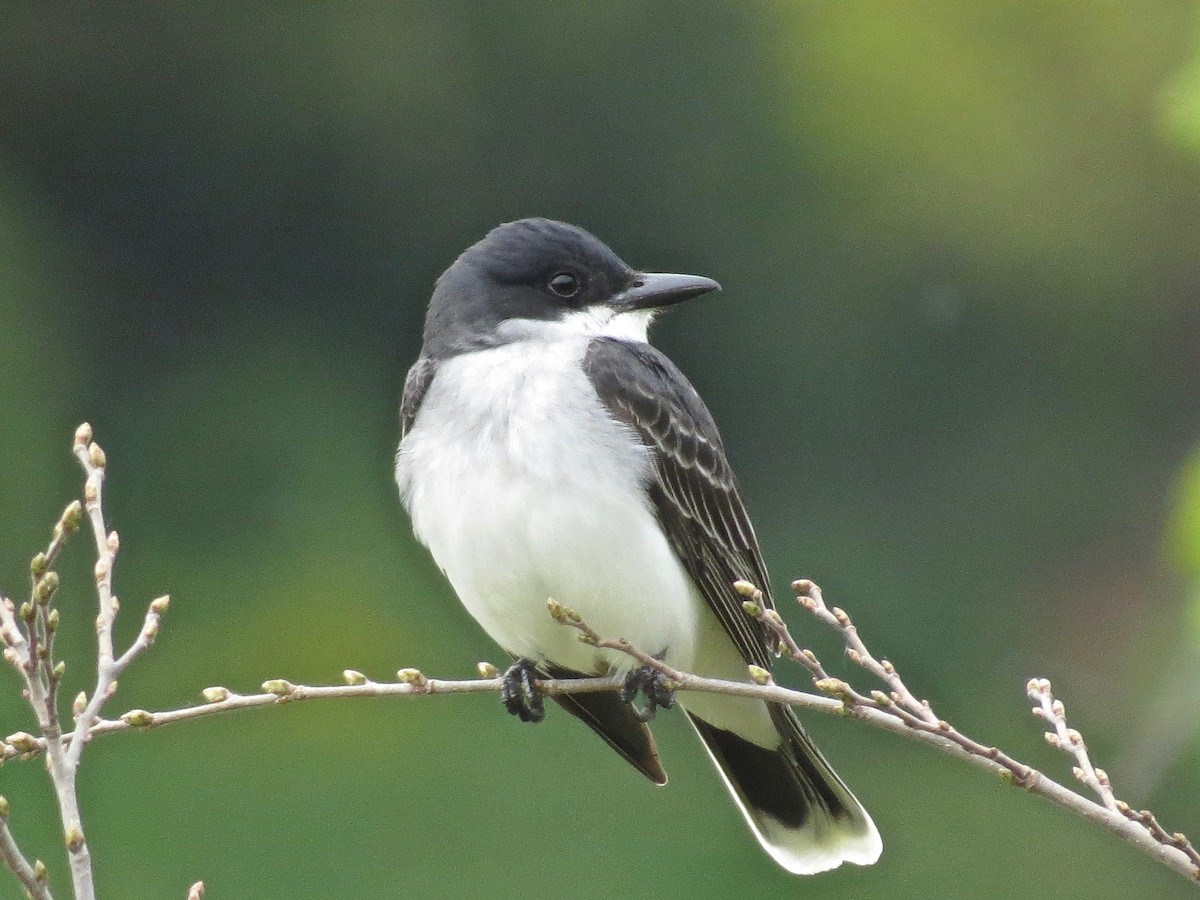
[32, 877]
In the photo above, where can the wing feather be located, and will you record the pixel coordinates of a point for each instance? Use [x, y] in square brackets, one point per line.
[695, 493]
[416, 383]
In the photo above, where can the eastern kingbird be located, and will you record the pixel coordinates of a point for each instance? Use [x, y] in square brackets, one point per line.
[548, 451]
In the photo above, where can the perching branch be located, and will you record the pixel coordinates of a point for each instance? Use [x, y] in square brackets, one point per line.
[28, 634]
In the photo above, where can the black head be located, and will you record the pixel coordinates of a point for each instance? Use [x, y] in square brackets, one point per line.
[528, 274]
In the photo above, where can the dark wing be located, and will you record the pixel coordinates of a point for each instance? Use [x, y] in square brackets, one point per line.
[616, 721]
[415, 385]
[695, 493]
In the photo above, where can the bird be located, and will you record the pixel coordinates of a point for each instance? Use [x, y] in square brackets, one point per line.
[549, 452]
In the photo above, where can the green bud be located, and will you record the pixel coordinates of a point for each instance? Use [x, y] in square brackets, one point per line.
[752, 608]
[3, 807]
[759, 675]
[59, 670]
[23, 741]
[72, 516]
[353, 677]
[37, 565]
[278, 686]
[831, 686]
[746, 589]
[45, 588]
[161, 605]
[52, 620]
[410, 676]
[139, 718]
[40, 872]
[215, 694]
[73, 838]
[96, 456]
[487, 670]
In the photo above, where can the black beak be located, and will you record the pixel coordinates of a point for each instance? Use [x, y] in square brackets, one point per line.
[651, 290]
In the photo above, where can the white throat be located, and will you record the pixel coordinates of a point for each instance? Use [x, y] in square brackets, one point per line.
[592, 321]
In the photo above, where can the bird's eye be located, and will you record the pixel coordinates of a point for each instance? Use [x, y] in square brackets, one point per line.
[564, 284]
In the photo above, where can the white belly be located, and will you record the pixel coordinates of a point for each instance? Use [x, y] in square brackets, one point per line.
[524, 488]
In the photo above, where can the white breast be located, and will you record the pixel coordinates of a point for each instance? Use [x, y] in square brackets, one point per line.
[524, 488]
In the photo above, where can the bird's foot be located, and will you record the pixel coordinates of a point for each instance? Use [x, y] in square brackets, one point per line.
[520, 693]
[654, 686]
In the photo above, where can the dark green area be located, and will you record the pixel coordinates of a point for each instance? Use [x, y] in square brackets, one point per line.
[955, 362]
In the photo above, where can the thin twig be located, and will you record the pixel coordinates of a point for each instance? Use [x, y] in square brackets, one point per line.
[28, 635]
[277, 692]
[1070, 741]
[32, 877]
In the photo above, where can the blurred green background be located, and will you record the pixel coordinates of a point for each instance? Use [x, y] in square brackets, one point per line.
[956, 362]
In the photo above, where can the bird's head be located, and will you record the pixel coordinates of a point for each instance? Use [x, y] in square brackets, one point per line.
[537, 278]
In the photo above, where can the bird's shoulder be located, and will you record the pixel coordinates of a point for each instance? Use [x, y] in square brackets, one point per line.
[416, 386]
[641, 386]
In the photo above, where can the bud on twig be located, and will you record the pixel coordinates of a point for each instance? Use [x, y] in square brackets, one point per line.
[353, 677]
[746, 589]
[45, 588]
[80, 703]
[72, 516]
[96, 456]
[139, 718]
[37, 565]
[278, 686]
[487, 670]
[83, 434]
[832, 686]
[411, 676]
[23, 741]
[73, 837]
[160, 605]
[759, 675]
[215, 694]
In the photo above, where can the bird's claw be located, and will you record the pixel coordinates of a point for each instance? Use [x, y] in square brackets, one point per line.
[520, 694]
[651, 684]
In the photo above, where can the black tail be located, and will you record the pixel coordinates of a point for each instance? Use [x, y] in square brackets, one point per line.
[800, 811]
